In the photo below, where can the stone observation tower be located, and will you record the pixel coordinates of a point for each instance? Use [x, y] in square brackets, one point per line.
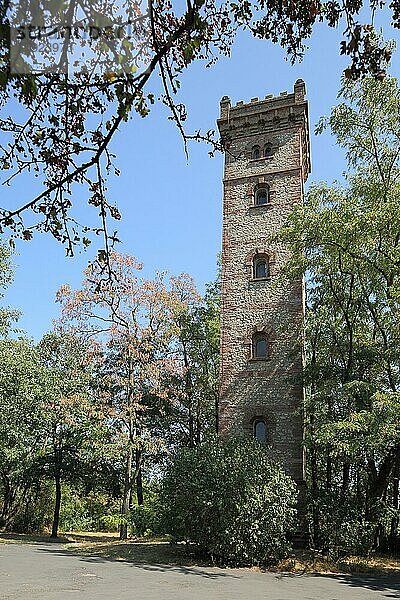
[267, 161]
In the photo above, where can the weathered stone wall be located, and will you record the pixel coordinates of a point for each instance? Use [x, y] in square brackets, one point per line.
[271, 388]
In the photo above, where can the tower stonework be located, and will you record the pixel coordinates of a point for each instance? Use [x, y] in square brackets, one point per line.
[267, 161]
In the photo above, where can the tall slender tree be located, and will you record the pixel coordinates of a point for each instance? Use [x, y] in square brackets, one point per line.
[21, 433]
[72, 419]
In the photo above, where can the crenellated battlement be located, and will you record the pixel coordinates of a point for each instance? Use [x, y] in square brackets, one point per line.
[268, 119]
[270, 102]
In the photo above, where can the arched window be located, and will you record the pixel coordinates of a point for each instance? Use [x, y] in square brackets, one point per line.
[261, 196]
[260, 267]
[255, 152]
[260, 345]
[267, 150]
[260, 430]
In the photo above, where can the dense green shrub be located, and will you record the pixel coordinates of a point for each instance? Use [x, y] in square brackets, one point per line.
[231, 499]
[342, 528]
[80, 512]
[144, 521]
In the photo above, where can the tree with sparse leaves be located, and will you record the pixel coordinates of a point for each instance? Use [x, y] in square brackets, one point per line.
[133, 319]
[194, 388]
[59, 126]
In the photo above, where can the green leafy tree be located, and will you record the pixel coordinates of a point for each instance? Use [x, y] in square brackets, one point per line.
[72, 419]
[21, 441]
[7, 315]
[346, 239]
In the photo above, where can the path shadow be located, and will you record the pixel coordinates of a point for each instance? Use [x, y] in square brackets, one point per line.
[143, 557]
[388, 586]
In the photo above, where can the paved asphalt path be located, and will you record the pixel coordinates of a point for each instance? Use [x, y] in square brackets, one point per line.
[48, 572]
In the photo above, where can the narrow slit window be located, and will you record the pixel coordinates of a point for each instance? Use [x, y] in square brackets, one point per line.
[256, 152]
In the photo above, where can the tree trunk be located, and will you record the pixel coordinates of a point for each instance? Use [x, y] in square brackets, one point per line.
[139, 479]
[189, 394]
[329, 466]
[6, 501]
[216, 408]
[378, 481]
[191, 425]
[328, 472]
[198, 424]
[314, 495]
[394, 524]
[126, 498]
[57, 505]
[313, 452]
[314, 486]
[345, 479]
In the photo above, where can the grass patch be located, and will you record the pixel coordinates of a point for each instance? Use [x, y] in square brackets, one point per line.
[308, 562]
[143, 551]
[90, 537]
[26, 538]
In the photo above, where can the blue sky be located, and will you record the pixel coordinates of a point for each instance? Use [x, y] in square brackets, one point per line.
[172, 207]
